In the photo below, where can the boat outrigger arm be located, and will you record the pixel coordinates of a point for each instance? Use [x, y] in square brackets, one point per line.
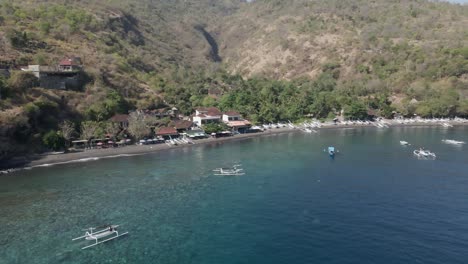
[234, 171]
[96, 235]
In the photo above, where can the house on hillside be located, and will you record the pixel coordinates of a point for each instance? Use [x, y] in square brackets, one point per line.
[235, 121]
[120, 119]
[65, 76]
[206, 115]
[70, 64]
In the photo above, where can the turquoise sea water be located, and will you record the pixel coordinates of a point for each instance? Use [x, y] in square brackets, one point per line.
[374, 203]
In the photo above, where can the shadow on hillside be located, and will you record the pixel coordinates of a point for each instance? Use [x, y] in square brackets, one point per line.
[214, 53]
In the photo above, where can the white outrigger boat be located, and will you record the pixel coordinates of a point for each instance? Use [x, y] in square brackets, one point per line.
[234, 171]
[308, 130]
[447, 125]
[453, 142]
[109, 233]
[422, 153]
[404, 143]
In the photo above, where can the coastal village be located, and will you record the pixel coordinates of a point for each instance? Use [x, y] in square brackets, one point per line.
[164, 125]
[205, 122]
[168, 126]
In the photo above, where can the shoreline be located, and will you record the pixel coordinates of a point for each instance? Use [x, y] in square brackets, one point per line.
[134, 150]
[45, 160]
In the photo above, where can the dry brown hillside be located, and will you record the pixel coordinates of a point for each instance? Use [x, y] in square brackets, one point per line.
[269, 59]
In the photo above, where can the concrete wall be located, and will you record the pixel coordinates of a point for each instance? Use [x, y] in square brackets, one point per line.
[60, 81]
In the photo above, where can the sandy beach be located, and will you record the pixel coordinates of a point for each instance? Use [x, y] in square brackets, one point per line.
[93, 154]
[47, 160]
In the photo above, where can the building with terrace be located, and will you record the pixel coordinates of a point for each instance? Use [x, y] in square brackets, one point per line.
[235, 121]
[206, 115]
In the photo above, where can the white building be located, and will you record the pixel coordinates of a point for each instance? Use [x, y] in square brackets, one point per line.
[231, 116]
[236, 122]
[206, 115]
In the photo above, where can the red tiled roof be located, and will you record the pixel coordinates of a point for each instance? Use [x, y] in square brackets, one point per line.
[212, 111]
[201, 115]
[232, 113]
[119, 118]
[69, 62]
[181, 124]
[166, 131]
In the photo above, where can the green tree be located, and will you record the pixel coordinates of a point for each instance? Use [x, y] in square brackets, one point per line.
[45, 27]
[462, 108]
[324, 103]
[18, 39]
[356, 110]
[53, 140]
[423, 109]
[215, 127]
[209, 101]
[104, 109]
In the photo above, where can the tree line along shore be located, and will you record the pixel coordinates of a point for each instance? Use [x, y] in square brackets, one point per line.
[137, 148]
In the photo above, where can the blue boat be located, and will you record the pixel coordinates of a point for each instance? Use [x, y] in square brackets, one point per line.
[331, 151]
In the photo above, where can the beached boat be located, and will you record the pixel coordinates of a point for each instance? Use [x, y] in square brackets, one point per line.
[308, 130]
[233, 171]
[447, 125]
[453, 142]
[404, 143]
[422, 153]
[101, 236]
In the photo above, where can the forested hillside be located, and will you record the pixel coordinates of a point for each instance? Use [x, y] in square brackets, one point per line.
[269, 59]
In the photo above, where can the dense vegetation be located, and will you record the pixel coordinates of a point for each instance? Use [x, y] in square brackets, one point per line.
[269, 59]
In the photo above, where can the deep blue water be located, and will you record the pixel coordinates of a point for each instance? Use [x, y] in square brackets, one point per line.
[374, 203]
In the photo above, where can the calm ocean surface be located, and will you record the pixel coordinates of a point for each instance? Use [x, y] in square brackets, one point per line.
[374, 203]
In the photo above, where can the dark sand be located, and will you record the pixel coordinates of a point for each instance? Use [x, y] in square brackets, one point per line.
[50, 159]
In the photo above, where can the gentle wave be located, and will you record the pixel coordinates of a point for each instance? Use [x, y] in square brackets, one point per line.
[85, 160]
[68, 162]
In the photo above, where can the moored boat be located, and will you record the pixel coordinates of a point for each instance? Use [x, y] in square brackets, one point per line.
[453, 142]
[331, 151]
[422, 153]
[234, 171]
[108, 233]
[404, 143]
